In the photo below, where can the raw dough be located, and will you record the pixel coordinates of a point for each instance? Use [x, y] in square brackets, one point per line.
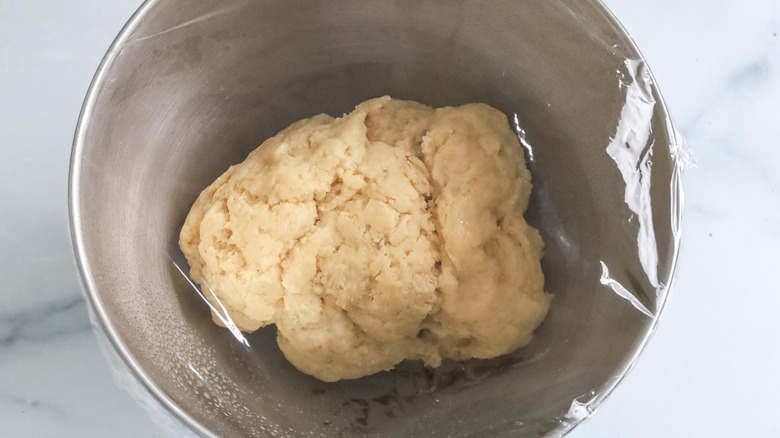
[393, 232]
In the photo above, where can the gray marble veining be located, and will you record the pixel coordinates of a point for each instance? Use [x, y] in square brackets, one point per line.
[45, 322]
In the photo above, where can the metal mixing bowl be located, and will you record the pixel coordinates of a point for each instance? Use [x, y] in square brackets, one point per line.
[189, 88]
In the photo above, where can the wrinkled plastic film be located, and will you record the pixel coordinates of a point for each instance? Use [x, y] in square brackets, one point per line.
[631, 148]
[219, 310]
[632, 151]
[608, 202]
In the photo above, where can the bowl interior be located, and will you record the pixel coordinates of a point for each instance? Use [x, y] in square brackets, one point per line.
[189, 88]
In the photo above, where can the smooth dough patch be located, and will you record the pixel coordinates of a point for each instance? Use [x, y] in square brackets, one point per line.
[393, 232]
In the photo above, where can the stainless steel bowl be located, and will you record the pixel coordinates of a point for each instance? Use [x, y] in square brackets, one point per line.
[189, 88]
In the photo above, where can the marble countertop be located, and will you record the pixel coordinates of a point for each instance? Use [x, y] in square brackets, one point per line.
[710, 368]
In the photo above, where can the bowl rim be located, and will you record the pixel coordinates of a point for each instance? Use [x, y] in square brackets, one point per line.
[102, 321]
[77, 232]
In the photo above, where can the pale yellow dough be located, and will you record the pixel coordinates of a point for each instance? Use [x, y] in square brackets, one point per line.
[393, 232]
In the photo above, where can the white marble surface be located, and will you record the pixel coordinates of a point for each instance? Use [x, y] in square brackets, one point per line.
[711, 368]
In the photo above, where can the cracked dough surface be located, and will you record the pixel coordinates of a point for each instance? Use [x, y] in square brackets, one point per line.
[393, 232]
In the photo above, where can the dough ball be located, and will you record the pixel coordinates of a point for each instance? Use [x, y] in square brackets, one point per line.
[394, 232]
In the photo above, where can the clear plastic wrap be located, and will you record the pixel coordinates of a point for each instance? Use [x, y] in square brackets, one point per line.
[185, 92]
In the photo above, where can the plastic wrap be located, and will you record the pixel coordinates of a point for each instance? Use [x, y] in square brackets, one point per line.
[185, 92]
